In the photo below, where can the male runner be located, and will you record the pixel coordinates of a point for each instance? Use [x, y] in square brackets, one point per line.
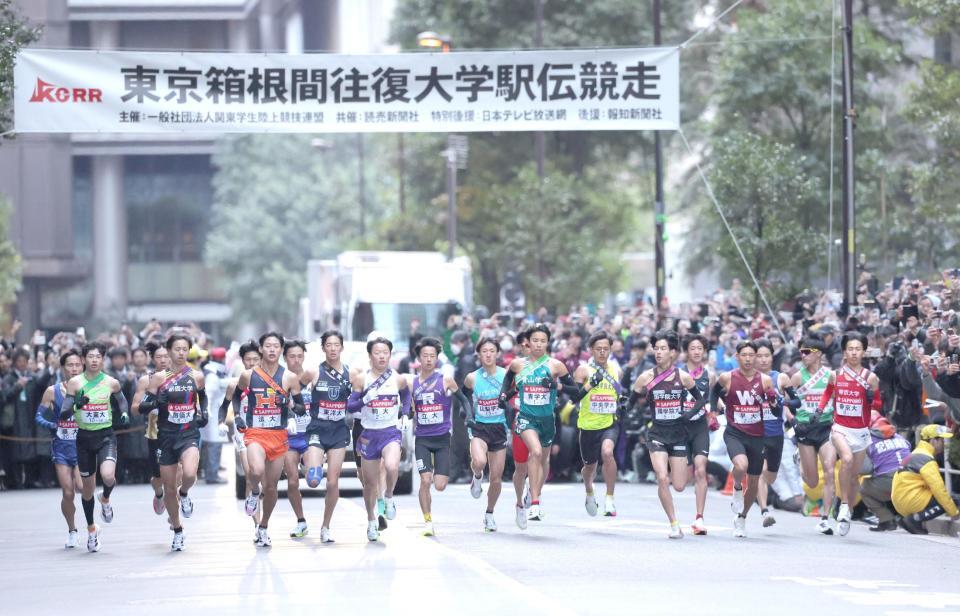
[518, 448]
[294, 352]
[249, 354]
[854, 390]
[63, 449]
[92, 398]
[161, 362]
[698, 429]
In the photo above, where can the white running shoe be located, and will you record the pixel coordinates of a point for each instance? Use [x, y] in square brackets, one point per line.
[389, 509]
[158, 505]
[843, 520]
[250, 506]
[489, 524]
[300, 530]
[527, 499]
[675, 531]
[609, 509]
[177, 545]
[698, 527]
[736, 504]
[823, 527]
[372, 533]
[476, 487]
[535, 513]
[93, 540]
[591, 505]
[325, 535]
[521, 518]
[106, 509]
[263, 539]
[740, 527]
[186, 506]
[768, 519]
[428, 530]
[73, 539]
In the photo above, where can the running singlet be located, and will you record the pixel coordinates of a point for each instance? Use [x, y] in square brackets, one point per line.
[262, 410]
[179, 413]
[598, 409]
[95, 414]
[850, 400]
[382, 411]
[536, 399]
[810, 393]
[328, 396]
[666, 399]
[772, 425]
[745, 402]
[66, 428]
[486, 395]
[431, 406]
[702, 382]
[303, 421]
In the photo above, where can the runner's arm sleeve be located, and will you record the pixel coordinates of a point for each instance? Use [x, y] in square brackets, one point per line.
[118, 402]
[715, 395]
[825, 398]
[775, 402]
[876, 403]
[66, 409]
[637, 397]
[466, 406]
[506, 390]
[298, 406]
[699, 401]
[355, 402]
[793, 401]
[148, 403]
[41, 417]
[405, 399]
[203, 407]
[463, 403]
[224, 407]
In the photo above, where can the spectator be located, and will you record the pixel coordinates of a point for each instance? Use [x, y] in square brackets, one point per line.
[885, 454]
[919, 494]
[214, 374]
[21, 392]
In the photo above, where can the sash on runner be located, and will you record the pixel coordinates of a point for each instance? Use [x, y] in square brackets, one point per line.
[847, 370]
[606, 375]
[661, 377]
[91, 384]
[813, 380]
[424, 385]
[531, 367]
[269, 381]
[375, 386]
[173, 378]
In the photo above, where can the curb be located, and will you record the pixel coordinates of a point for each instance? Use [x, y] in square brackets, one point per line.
[943, 527]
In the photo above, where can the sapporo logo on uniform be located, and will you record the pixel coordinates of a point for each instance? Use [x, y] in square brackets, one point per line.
[50, 93]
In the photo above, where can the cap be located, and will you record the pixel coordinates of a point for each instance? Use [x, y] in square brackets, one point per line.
[933, 431]
[218, 353]
[196, 353]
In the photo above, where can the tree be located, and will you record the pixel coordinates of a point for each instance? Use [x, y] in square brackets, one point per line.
[10, 267]
[15, 34]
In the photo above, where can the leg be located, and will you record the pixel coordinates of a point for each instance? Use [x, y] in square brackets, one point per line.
[168, 475]
[808, 464]
[497, 461]
[256, 466]
[828, 458]
[750, 492]
[846, 457]
[739, 470]
[589, 472]
[520, 473]
[875, 492]
[313, 460]
[65, 477]
[478, 456]
[609, 465]
[426, 480]
[272, 470]
[679, 472]
[535, 467]
[700, 479]
[660, 461]
[189, 464]
[334, 466]
[371, 482]
[291, 465]
[763, 487]
[391, 466]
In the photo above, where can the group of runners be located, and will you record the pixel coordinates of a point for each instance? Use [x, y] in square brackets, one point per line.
[290, 416]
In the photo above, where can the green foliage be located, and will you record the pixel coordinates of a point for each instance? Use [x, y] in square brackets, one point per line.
[15, 33]
[10, 267]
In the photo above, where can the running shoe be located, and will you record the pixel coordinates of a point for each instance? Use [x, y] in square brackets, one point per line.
[372, 533]
[489, 524]
[381, 523]
[250, 506]
[325, 535]
[768, 519]
[158, 505]
[381, 506]
[521, 518]
[106, 509]
[736, 504]
[263, 539]
[535, 514]
[300, 530]
[698, 527]
[740, 527]
[609, 509]
[428, 529]
[389, 509]
[675, 531]
[843, 520]
[823, 527]
[590, 503]
[73, 538]
[476, 487]
[186, 506]
[527, 500]
[93, 540]
[177, 545]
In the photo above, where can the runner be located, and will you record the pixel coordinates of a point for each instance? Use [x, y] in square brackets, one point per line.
[161, 362]
[698, 430]
[327, 432]
[745, 393]
[63, 449]
[264, 418]
[772, 427]
[294, 352]
[663, 389]
[599, 401]
[486, 426]
[250, 357]
[433, 397]
[813, 429]
[536, 381]
[179, 397]
[93, 398]
[854, 390]
[518, 448]
[381, 395]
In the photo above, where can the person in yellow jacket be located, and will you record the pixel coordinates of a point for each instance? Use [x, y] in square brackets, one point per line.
[919, 493]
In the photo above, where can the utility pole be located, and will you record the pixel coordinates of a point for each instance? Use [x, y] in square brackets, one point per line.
[658, 206]
[849, 120]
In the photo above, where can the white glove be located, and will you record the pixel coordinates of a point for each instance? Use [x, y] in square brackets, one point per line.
[404, 423]
[238, 441]
[223, 430]
[370, 396]
[291, 426]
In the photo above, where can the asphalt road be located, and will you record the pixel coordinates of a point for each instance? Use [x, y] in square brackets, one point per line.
[568, 564]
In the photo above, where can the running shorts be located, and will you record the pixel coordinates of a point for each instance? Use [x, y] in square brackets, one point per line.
[545, 427]
[773, 452]
[493, 434]
[670, 439]
[740, 444]
[94, 447]
[858, 439]
[171, 445]
[698, 438]
[591, 442]
[327, 437]
[813, 434]
[273, 442]
[432, 454]
[64, 452]
[371, 443]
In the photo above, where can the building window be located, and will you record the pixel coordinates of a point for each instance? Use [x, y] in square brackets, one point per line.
[168, 200]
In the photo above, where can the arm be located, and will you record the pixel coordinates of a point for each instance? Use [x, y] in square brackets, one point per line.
[43, 409]
[225, 405]
[693, 392]
[827, 394]
[931, 475]
[506, 390]
[118, 402]
[466, 408]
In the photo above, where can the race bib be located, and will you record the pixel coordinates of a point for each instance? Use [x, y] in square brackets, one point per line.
[266, 418]
[744, 418]
[668, 413]
[603, 404]
[180, 413]
[768, 415]
[331, 411]
[849, 410]
[67, 430]
[536, 395]
[430, 415]
[302, 422]
[488, 408]
[96, 414]
[383, 408]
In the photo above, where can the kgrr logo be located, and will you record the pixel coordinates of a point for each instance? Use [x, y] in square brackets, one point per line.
[48, 93]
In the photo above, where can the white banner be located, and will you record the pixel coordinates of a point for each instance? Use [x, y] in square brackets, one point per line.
[150, 92]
